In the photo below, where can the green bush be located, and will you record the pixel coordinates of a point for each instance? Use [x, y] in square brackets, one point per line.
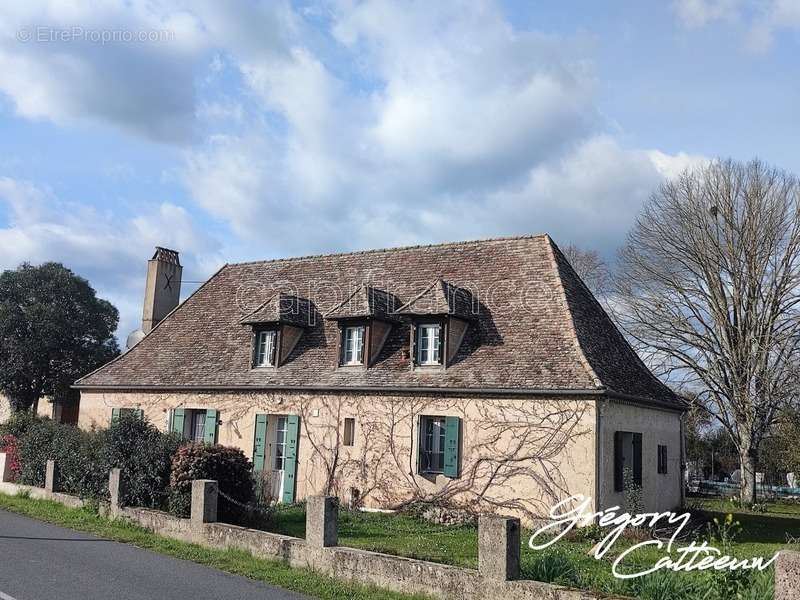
[84, 458]
[229, 466]
[144, 455]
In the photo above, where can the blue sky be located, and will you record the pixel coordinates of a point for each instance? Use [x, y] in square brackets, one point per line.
[247, 130]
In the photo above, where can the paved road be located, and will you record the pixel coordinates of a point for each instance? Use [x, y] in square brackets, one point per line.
[39, 561]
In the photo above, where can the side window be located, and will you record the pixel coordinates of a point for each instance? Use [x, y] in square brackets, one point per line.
[349, 436]
[627, 459]
[662, 459]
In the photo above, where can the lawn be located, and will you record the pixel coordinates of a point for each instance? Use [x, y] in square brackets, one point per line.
[568, 562]
[232, 561]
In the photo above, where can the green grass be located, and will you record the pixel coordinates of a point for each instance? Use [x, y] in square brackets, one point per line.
[569, 562]
[232, 561]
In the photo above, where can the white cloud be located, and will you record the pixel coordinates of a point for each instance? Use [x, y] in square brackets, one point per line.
[109, 251]
[698, 13]
[762, 19]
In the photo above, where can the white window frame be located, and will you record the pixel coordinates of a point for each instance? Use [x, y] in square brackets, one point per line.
[279, 449]
[429, 351]
[353, 345]
[265, 348]
[432, 443]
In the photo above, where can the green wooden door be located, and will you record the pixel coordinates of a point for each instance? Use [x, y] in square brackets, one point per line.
[260, 444]
[290, 462]
[452, 433]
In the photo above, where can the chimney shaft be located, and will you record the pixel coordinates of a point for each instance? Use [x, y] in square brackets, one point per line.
[162, 291]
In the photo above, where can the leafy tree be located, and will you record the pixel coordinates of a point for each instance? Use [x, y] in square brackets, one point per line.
[53, 330]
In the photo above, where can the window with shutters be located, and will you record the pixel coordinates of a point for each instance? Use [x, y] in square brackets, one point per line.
[429, 338]
[195, 424]
[264, 354]
[353, 345]
[662, 459]
[627, 459]
[349, 434]
[432, 444]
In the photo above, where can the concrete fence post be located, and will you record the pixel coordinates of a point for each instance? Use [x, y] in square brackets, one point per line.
[322, 516]
[116, 490]
[51, 477]
[5, 467]
[204, 501]
[498, 547]
[787, 576]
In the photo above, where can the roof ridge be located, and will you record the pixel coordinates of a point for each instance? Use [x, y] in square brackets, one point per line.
[392, 249]
[552, 248]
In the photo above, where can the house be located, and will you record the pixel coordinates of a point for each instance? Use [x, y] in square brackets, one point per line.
[478, 373]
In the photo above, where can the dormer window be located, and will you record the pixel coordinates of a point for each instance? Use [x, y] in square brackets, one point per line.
[364, 325]
[429, 342]
[265, 349]
[277, 326]
[353, 346]
[440, 316]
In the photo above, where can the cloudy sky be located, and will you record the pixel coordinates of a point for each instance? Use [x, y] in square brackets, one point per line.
[247, 130]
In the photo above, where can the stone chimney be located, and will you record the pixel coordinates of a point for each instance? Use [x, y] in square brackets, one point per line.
[162, 291]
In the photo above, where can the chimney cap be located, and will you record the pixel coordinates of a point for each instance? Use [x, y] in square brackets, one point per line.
[166, 255]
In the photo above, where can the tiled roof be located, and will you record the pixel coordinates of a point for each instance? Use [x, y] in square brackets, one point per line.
[441, 298]
[365, 302]
[280, 308]
[537, 326]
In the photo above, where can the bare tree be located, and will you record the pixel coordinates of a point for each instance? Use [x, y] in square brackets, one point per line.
[708, 285]
[590, 267]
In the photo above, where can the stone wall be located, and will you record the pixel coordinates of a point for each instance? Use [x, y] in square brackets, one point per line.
[359, 566]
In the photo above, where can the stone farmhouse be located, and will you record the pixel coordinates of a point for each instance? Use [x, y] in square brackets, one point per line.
[481, 374]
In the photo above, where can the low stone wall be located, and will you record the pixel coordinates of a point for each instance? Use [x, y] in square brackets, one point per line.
[320, 552]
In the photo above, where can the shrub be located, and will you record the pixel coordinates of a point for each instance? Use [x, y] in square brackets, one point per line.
[76, 452]
[229, 466]
[8, 444]
[144, 456]
[18, 423]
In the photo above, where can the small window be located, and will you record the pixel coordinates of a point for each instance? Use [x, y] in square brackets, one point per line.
[662, 459]
[265, 349]
[432, 436]
[428, 342]
[353, 346]
[349, 432]
[197, 431]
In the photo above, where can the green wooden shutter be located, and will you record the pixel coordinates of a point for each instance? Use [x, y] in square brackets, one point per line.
[114, 414]
[260, 443]
[618, 474]
[212, 415]
[452, 431]
[139, 413]
[290, 462]
[177, 421]
[637, 459]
